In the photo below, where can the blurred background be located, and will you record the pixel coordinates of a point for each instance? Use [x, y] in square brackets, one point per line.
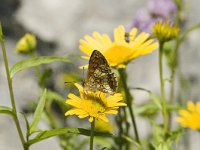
[58, 26]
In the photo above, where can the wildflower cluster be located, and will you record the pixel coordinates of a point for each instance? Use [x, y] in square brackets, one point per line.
[106, 89]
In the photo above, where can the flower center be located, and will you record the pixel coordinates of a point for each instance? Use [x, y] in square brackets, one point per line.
[93, 104]
[118, 54]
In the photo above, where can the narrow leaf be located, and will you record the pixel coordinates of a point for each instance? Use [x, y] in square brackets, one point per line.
[1, 33]
[191, 29]
[129, 139]
[27, 124]
[157, 100]
[146, 109]
[50, 133]
[32, 62]
[6, 110]
[38, 112]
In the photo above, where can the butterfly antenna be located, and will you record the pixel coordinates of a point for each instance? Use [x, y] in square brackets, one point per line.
[67, 83]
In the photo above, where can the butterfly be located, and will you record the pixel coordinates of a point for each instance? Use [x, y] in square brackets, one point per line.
[100, 76]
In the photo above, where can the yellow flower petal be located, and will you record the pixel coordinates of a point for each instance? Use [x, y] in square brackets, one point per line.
[190, 117]
[119, 52]
[93, 104]
[91, 119]
[132, 34]
[191, 106]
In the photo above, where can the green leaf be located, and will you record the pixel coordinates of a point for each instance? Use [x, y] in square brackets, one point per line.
[103, 143]
[1, 33]
[6, 110]
[163, 140]
[129, 139]
[50, 133]
[157, 100]
[27, 124]
[32, 62]
[38, 112]
[176, 135]
[147, 109]
[191, 29]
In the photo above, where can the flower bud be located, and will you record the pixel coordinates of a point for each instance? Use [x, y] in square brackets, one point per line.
[26, 44]
[165, 31]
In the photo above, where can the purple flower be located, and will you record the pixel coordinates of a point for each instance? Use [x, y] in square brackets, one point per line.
[156, 10]
[162, 8]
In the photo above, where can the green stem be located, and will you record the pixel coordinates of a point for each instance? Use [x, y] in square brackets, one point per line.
[127, 128]
[162, 85]
[171, 98]
[9, 80]
[129, 99]
[179, 39]
[92, 134]
[119, 122]
[38, 73]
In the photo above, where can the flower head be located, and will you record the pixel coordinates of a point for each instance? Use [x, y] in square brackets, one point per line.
[93, 104]
[26, 44]
[190, 117]
[121, 51]
[165, 31]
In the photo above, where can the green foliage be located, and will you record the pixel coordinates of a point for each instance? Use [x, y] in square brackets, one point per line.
[163, 140]
[187, 32]
[6, 110]
[50, 133]
[33, 62]
[146, 109]
[170, 54]
[45, 76]
[38, 112]
[1, 33]
[160, 138]
[156, 99]
[103, 143]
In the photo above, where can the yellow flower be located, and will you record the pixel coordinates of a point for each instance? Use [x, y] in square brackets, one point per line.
[103, 126]
[165, 31]
[190, 117]
[26, 44]
[121, 50]
[93, 104]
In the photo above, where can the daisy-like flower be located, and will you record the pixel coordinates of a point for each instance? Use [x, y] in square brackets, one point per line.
[94, 105]
[122, 50]
[165, 30]
[190, 117]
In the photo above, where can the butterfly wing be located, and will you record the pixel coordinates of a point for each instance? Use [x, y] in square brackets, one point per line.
[96, 60]
[100, 76]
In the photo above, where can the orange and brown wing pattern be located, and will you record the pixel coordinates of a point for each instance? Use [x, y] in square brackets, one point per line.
[96, 60]
[100, 76]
